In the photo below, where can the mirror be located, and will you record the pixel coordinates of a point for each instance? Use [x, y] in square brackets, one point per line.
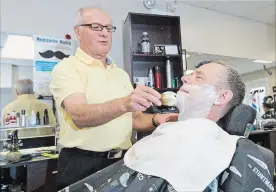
[17, 52]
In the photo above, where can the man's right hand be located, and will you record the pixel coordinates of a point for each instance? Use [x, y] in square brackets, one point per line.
[141, 98]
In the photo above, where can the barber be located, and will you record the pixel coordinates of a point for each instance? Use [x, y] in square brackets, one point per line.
[96, 103]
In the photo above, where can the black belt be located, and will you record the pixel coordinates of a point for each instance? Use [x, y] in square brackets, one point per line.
[112, 154]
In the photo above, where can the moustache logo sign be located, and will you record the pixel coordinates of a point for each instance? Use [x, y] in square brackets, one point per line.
[50, 54]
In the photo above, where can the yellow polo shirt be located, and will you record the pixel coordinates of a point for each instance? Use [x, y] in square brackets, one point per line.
[83, 74]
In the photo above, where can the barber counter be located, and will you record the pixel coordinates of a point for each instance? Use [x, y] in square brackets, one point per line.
[28, 159]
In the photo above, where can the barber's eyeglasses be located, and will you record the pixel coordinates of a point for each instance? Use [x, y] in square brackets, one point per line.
[99, 27]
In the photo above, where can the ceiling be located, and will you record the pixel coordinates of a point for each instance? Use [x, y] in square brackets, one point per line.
[260, 11]
[243, 65]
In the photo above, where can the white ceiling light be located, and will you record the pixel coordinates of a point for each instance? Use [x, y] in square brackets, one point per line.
[18, 47]
[262, 61]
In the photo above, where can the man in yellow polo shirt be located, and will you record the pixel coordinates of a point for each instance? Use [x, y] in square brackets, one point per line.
[96, 103]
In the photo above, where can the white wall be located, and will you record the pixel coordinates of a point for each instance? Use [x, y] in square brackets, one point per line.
[210, 32]
[202, 30]
[262, 74]
[5, 74]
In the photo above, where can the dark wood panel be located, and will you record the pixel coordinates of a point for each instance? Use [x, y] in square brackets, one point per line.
[153, 19]
[153, 57]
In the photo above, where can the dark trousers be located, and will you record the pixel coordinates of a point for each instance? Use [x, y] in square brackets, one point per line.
[75, 164]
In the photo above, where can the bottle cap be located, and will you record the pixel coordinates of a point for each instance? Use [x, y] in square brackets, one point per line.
[145, 33]
[157, 68]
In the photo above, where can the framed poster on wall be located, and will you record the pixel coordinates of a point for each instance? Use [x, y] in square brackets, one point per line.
[48, 51]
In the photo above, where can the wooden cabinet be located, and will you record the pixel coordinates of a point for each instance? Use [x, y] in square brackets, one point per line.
[162, 30]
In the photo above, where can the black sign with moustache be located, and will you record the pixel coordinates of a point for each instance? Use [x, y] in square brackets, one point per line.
[50, 54]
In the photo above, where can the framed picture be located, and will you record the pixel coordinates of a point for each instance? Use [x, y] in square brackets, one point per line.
[165, 49]
[159, 50]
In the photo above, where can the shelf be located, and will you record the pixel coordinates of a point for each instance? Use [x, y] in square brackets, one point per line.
[166, 89]
[152, 57]
[45, 97]
[27, 127]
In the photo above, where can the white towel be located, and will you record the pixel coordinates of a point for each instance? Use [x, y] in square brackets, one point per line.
[188, 154]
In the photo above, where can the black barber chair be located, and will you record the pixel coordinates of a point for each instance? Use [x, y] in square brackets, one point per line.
[114, 177]
[235, 122]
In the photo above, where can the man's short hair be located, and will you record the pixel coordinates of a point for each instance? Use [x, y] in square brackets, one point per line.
[24, 86]
[233, 82]
[80, 14]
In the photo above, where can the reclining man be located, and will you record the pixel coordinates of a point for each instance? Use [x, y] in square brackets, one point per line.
[193, 154]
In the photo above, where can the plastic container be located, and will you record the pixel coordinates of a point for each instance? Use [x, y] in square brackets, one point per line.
[145, 43]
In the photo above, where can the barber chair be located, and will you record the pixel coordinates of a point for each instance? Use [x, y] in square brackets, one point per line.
[235, 122]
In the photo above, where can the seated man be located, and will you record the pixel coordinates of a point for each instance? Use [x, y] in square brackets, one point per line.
[193, 154]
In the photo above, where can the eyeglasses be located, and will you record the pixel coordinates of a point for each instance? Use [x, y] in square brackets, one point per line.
[99, 27]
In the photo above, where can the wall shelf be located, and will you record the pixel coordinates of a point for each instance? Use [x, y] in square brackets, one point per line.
[153, 57]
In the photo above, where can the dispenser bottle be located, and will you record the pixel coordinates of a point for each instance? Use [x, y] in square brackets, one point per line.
[18, 121]
[45, 117]
[23, 118]
[145, 43]
[37, 118]
[33, 118]
[151, 80]
[169, 74]
[157, 77]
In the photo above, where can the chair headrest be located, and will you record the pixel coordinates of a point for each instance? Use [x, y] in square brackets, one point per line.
[236, 120]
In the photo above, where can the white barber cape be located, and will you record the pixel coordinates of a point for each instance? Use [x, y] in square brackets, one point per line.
[188, 154]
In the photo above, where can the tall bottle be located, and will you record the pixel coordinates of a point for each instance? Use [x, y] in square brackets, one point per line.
[145, 43]
[151, 79]
[33, 118]
[37, 118]
[169, 73]
[23, 118]
[45, 117]
[18, 120]
[157, 77]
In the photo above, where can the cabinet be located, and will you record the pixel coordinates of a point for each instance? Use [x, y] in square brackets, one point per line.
[162, 30]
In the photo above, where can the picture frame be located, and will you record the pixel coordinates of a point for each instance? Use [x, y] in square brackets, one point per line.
[163, 49]
[159, 50]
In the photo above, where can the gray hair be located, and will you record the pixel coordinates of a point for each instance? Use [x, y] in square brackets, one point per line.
[80, 13]
[24, 86]
[233, 82]
[79, 16]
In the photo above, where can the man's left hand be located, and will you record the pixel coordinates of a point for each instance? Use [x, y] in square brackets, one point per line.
[163, 118]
